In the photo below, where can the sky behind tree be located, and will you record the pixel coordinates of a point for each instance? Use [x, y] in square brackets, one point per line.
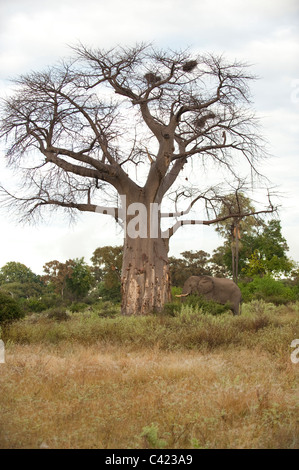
[36, 34]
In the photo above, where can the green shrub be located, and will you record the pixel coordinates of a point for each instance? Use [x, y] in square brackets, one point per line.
[113, 294]
[152, 440]
[58, 314]
[175, 291]
[10, 309]
[206, 306]
[78, 307]
[35, 305]
[40, 304]
[171, 308]
[268, 289]
[107, 309]
[52, 300]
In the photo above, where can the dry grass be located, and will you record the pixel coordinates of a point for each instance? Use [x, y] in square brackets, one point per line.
[67, 394]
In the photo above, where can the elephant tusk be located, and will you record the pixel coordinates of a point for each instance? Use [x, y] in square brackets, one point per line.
[181, 295]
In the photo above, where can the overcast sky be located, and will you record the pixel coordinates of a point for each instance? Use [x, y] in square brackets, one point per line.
[265, 33]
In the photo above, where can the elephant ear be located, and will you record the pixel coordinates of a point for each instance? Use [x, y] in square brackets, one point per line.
[205, 284]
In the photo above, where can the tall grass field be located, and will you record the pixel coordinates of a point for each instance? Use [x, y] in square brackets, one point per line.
[187, 380]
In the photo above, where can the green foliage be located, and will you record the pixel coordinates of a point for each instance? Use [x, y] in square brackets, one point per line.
[107, 263]
[206, 306]
[77, 307]
[266, 252]
[175, 291]
[80, 280]
[57, 314]
[10, 310]
[56, 275]
[112, 294]
[197, 304]
[23, 290]
[221, 261]
[262, 251]
[107, 309]
[192, 263]
[51, 300]
[71, 280]
[152, 440]
[13, 272]
[268, 289]
[34, 304]
[171, 308]
[21, 283]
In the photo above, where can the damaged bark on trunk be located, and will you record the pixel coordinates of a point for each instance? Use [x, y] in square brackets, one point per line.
[145, 280]
[145, 276]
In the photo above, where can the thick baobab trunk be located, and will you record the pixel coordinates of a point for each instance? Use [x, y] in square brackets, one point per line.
[145, 275]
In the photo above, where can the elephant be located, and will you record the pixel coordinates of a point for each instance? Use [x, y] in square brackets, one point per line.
[214, 288]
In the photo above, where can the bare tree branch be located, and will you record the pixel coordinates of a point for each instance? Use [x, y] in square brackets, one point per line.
[93, 117]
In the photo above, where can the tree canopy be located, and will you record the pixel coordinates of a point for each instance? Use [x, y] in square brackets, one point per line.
[107, 263]
[263, 251]
[190, 263]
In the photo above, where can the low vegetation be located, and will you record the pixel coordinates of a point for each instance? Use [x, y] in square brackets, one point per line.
[10, 309]
[189, 379]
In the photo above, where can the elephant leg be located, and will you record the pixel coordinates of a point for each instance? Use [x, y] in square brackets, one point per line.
[236, 309]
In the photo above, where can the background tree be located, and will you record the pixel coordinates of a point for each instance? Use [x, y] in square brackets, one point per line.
[191, 263]
[233, 229]
[57, 274]
[20, 281]
[10, 309]
[266, 252]
[81, 280]
[17, 272]
[221, 261]
[107, 263]
[129, 120]
[72, 279]
[263, 251]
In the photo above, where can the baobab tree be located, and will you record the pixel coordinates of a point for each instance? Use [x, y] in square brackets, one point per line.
[129, 121]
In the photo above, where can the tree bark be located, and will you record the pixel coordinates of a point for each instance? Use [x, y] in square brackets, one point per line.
[145, 276]
[145, 279]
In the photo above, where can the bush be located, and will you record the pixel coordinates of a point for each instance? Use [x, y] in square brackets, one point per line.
[206, 306]
[113, 294]
[171, 308]
[35, 305]
[107, 309]
[175, 291]
[58, 314]
[40, 304]
[10, 310]
[197, 304]
[78, 307]
[268, 289]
